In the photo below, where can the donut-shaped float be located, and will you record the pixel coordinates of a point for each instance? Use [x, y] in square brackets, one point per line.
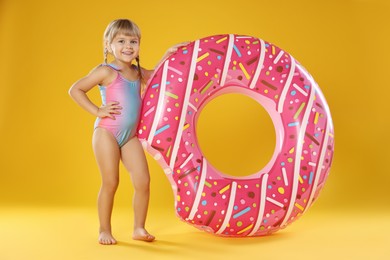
[287, 186]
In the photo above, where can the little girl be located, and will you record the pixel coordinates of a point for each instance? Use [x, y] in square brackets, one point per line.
[114, 135]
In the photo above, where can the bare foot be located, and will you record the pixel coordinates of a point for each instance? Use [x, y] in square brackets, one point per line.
[105, 238]
[143, 235]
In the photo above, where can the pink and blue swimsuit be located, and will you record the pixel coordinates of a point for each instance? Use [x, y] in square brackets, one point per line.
[127, 93]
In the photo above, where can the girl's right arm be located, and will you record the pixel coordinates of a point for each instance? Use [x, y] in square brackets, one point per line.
[146, 74]
[79, 90]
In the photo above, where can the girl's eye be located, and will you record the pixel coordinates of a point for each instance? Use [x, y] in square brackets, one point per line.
[134, 42]
[121, 41]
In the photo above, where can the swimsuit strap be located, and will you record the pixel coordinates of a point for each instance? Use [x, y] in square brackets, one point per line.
[115, 67]
[112, 66]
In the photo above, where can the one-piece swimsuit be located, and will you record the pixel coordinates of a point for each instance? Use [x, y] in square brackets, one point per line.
[127, 93]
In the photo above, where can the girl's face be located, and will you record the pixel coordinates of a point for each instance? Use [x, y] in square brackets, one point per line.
[124, 48]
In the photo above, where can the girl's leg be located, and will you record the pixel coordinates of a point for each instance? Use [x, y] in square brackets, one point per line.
[107, 155]
[133, 158]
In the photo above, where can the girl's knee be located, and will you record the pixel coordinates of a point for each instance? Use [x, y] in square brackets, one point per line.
[142, 185]
[110, 186]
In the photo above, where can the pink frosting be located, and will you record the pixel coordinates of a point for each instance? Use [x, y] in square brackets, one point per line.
[288, 185]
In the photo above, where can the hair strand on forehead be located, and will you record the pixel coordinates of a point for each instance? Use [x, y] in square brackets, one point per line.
[123, 26]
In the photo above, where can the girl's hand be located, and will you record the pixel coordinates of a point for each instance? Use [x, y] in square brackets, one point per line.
[174, 48]
[170, 51]
[109, 110]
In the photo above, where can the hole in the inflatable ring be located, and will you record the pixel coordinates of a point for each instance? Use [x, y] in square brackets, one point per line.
[236, 135]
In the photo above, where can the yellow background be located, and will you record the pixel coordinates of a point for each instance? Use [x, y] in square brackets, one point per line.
[46, 157]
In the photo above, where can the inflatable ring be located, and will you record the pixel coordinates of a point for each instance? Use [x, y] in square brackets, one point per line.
[288, 185]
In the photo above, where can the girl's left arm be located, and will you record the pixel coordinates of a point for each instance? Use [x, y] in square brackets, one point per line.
[146, 75]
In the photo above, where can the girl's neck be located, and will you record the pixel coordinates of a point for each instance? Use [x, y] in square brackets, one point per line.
[126, 69]
[123, 67]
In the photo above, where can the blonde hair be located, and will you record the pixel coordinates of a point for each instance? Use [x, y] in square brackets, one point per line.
[123, 26]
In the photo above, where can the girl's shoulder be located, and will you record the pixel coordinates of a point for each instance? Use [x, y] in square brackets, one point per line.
[105, 68]
[146, 74]
[104, 73]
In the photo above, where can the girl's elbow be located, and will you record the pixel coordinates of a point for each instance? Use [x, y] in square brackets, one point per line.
[71, 91]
